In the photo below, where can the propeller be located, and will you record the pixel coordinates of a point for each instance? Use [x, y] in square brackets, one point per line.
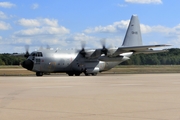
[82, 51]
[27, 51]
[104, 50]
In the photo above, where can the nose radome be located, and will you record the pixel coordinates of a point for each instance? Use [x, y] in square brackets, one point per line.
[28, 64]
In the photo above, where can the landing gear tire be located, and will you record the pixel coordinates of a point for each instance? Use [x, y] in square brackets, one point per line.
[94, 74]
[70, 74]
[39, 73]
[87, 74]
[77, 74]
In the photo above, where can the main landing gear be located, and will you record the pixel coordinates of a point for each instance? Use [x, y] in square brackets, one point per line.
[88, 74]
[39, 73]
[78, 74]
[72, 74]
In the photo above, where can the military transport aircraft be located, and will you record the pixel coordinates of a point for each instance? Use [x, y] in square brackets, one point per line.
[89, 61]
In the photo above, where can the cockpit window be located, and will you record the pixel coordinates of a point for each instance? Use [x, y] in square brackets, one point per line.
[33, 54]
[37, 54]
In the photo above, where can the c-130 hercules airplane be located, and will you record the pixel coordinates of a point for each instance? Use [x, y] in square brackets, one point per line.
[89, 62]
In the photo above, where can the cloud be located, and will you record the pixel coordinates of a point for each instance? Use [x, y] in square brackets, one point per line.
[115, 27]
[29, 22]
[35, 6]
[82, 37]
[40, 31]
[25, 41]
[151, 34]
[123, 24]
[7, 5]
[145, 29]
[93, 41]
[43, 31]
[2, 15]
[4, 26]
[37, 22]
[144, 1]
[162, 33]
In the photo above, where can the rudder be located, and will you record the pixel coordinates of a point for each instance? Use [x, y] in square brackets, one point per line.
[133, 33]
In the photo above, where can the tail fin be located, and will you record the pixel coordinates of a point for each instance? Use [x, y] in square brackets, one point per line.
[133, 33]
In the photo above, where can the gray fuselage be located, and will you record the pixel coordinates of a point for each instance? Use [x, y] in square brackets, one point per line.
[51, 61]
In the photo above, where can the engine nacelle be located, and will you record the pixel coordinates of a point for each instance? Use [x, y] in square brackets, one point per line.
[121, 57]
[110, 59]
[92, 70]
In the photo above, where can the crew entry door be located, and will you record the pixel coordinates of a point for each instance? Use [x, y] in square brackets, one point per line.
[37, 61]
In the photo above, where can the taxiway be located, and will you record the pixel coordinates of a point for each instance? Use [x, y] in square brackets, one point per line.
[114, 96]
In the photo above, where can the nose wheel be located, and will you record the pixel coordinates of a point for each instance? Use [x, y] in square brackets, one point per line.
[39, 73]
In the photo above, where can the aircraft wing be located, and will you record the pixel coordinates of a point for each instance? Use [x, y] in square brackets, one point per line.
[146, 49]
[96, 53]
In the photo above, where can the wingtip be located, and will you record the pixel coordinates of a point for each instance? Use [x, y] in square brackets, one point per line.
[163, 45]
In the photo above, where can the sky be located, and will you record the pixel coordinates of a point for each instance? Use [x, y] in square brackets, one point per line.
[66, 24]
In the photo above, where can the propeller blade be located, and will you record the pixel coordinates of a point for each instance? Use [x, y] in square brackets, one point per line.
[27, 51]
[104, 50]
[82, 51]
[103, 42]
[27, 48]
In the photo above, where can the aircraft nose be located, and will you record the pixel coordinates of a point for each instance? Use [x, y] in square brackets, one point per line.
[28, 64]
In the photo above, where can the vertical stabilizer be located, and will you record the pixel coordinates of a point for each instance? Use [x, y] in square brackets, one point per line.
[133, 33]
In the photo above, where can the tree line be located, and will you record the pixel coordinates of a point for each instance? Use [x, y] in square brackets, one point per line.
[166, 58]
[9, 59]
